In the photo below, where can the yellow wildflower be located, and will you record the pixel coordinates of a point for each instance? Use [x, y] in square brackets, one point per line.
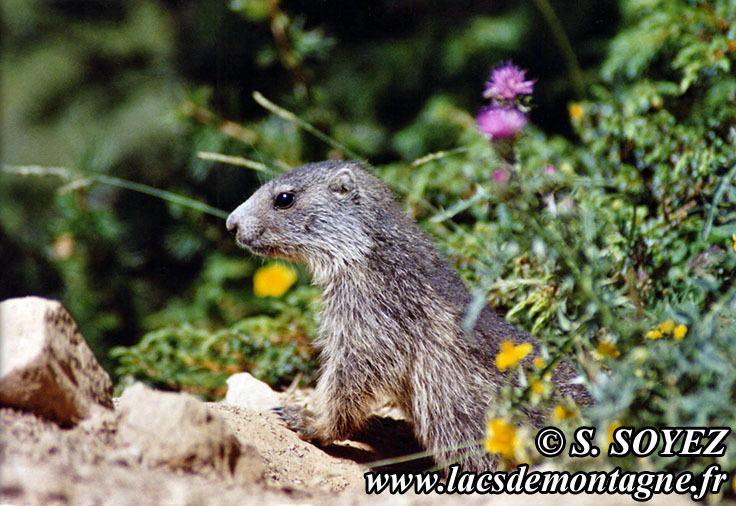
[576, 111]
[608, 350]
[511, 355]
[666, 326]
[561, 413]
[501, 438]
[612, 428]
[273, 280]
[653, 334]
[733, 238]
[679, 332]
[539, 363]
[537, 387]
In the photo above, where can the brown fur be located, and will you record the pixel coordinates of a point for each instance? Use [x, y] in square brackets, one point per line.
[393, 311]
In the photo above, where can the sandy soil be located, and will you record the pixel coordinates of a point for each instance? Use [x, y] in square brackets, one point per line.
[88, 464]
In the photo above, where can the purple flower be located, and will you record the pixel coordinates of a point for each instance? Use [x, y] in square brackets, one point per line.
[549, 169]
[500, 176]
[497, 122]
[507, 82]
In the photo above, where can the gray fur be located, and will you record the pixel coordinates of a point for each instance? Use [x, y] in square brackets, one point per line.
[393, 313]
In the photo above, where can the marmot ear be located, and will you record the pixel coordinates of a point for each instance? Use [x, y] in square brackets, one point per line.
[342, 182]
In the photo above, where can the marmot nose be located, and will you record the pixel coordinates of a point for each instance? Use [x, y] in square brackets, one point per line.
[232, 225]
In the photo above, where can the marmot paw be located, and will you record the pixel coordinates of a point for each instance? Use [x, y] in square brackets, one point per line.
[298, 419]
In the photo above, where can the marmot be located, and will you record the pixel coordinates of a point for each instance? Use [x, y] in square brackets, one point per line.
[392, 323]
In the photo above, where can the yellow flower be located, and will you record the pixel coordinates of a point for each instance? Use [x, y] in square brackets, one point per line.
[612, 428]
[653, 334]
[539, 363]
[501, 438]
[679, 332]
[666, 326]
[273, 280]
[537, 387]
[561, 413]
[511, 355]
[576, 111]
[608, 350]
[733, 238]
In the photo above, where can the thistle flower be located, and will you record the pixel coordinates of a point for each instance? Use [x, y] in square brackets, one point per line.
[507, 83]
[498, 122]
[500, 176]
[273, 280]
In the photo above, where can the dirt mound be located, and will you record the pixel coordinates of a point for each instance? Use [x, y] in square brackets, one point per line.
[92, 464]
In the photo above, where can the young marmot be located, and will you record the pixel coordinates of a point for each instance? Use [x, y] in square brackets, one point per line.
[392, 324]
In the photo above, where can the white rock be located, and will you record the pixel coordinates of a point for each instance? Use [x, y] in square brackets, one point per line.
[245, 391]
[178, 431]
[45, 364]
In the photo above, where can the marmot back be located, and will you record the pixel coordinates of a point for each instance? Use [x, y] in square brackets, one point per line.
[392, 324]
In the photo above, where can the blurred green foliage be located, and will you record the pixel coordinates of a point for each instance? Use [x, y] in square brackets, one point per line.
[273, 346]
[619, 212]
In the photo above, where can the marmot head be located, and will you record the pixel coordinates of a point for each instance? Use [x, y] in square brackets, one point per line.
[315, 214]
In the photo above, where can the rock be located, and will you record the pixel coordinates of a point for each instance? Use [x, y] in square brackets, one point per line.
[45, 364]
[245, 391]
[178, 431]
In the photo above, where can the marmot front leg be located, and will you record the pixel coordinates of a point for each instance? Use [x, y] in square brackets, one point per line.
[342, 408]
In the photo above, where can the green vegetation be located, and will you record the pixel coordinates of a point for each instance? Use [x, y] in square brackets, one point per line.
[613, 211]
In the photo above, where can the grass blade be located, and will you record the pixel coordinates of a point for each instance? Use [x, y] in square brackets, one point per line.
[293, 118]
[74, 176]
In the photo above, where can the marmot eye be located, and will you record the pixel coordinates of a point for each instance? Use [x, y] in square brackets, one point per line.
[283, 200]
